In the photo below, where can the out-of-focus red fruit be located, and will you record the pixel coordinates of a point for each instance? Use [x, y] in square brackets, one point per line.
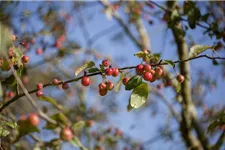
[180, 78]
[39, 86]
[103, 92]
[39, 51]
[34, 119]
[25, 59]
[55, 81]
[66, 134]
[109, 85]
[10, 94]
[102, 86]
[39, 93]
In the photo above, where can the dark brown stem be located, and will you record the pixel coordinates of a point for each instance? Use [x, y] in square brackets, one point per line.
[99, 73]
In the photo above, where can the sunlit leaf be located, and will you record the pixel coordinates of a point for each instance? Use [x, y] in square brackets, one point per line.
[178, 87]
[139, 95]
[88, 64]
[51, 100]
[59, 117]
[93, 70]
[133, 82]
[78, 125]
[197, 49]
[3, 132]
[170, 62]
[118, 84]
[76, 142]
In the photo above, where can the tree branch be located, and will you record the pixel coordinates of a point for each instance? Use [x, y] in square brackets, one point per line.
[106, 4]
[181, 18]
[219, 142]
[98, 73]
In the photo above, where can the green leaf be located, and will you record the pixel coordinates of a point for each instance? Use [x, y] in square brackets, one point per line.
[191, 19]
[170, 62]
[3, 132]
[6, 41]
[5, 65]
[10, 81]
[139, 95]
[76, 143]
[141, 54]
[12, 125]
[88, 64]
[93, 70]
[155, 57]
[51, 100]
[178, 87]
[102, 69]
[215, 62]
[129, 107]
[59, 117]
[194, 15]
[118, 84]
[79, 125]
[133, 82]
[197, 49]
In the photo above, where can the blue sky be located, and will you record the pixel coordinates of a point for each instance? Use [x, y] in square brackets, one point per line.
[146, 125]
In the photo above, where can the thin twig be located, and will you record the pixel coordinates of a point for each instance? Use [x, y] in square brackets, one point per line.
[99, 73]
[182, 19]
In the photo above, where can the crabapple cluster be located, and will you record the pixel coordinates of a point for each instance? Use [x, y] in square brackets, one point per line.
[148, 73]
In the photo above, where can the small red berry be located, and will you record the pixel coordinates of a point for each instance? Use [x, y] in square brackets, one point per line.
[39, 86]
[109, 85]
[103, 92]
[147, 76]
[147, 67]
[153, 79]
[66, 134]
[102, 86]
[65, 86]
[11, 94]
[180, 78]
[39, 51]
[55, 81]
[25, 59]
[115, 72]
[158, 72]
[85, 81]
[118, 132]
[34, 119]
[39, 93]
[105, 63]
[139, 69]
[125, 80]
[108, 71]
